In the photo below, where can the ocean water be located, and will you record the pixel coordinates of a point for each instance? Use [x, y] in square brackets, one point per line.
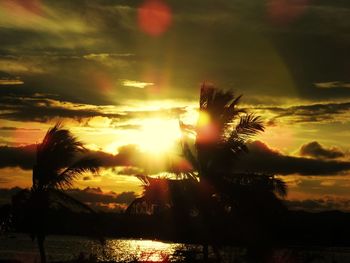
[62, 248]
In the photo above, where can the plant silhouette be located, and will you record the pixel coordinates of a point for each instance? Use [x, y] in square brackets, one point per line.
[213, 188]
[59, 161]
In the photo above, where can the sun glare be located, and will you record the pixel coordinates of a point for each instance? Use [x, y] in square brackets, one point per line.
[204, 119]
[158, 135]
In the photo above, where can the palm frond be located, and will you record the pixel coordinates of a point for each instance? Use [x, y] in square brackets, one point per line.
[84, 165]
[219, 102]
[143, 178]
[68, 202]
[189, 156]
[231, 111]
[249, 125]
[58, 148]
[55, 154]
[280, 187]
[206, 96]
[235, 145]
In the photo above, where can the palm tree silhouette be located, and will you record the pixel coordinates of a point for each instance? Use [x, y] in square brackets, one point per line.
[221, 135]
[213, 187]
[59, 161]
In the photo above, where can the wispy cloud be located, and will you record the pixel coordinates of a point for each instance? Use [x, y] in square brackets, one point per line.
[11, 82]
[136, 84]
[332, 85]
[103, 56]
[306, 113]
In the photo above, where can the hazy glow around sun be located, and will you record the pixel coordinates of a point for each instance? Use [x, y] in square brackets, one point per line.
[158, 135]
[155, 135]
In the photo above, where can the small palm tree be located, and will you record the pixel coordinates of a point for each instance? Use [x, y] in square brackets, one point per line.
[59, 161]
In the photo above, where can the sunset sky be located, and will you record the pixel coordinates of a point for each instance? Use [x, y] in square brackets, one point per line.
[120, 75]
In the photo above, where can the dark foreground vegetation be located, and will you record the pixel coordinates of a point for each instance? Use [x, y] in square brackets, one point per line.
[299, 228]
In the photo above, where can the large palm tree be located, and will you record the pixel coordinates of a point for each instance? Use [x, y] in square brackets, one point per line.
[221, 136]
[59, 160]
[222, 132]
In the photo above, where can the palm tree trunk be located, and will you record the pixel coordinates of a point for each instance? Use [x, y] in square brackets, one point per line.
[41, 240]
[205, 252]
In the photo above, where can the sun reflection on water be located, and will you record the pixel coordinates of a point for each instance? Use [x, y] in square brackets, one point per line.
[140, 250]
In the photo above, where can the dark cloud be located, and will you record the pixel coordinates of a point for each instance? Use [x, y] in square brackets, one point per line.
[259, 159]
[263, 159]
[316, 150]
[63, 48]
[318, 112]
[95, 197]
[22, 157]
[38, 108]
[103, 201]
[46, 107]
[332, 85]
[17, 129]
[320, 204]
[130, 160]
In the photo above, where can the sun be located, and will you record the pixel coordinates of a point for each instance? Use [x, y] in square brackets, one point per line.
[158, 136]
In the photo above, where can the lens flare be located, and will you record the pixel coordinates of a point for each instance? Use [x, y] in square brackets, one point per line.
[102, 81]
[23, 7]
[207, 130]
[204, 119]
[154, 17]
[283, 12]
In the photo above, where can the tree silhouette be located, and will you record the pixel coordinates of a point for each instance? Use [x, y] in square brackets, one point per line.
[59, 161]
[213, 188]
[221, 135]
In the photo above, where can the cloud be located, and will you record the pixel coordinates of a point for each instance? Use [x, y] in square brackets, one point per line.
[22, 157]
[260, 159]
[11, 82]
[94, 197]
[8, 79]
[318, 112]
[325, 203]
[136, 84]
[263, 159]
[332, 85]
[129, 160]
[52, 37]
[105, 56]
[44, 109]
[38, 16]
[316, 150]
